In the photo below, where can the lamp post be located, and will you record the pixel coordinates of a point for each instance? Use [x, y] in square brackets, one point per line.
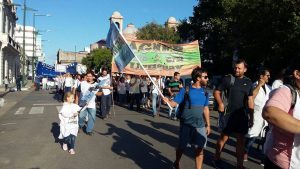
[34, 31]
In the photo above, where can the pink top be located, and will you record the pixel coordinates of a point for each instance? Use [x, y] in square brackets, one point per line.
[282, 142]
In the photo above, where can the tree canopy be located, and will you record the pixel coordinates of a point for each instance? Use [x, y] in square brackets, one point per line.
[97, 59]
[264, 32]
[154, 31]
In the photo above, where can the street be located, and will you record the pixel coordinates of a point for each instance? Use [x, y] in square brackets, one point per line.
[128, 140]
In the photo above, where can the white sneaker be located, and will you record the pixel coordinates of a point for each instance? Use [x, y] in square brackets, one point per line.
[65, 147]
[72, 152]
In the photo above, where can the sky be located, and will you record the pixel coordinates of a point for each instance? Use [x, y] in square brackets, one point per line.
[79, 23]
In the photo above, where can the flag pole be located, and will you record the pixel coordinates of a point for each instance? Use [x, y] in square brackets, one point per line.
[161, 94]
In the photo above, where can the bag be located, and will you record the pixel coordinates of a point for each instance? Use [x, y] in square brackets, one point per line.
[182, 104]
[225, 94]
[294, 95]
[222, 120]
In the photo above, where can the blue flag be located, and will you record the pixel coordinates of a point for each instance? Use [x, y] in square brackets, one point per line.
[43, 69]
[71, 68]
[122, 52]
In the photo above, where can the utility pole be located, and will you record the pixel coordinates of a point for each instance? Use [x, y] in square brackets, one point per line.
[23, 60]
[33, 47]
[75, 53]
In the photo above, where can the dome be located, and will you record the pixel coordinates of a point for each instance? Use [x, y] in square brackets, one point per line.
[172, 20]
[130, 32]
[130, 29]
[116, 14]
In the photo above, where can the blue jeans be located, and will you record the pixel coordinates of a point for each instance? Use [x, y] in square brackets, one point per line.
[70, 141]
[155, 103]
[249, 142]
[67, 89]
[105, 104]
[154, 99]
[91, 112]
[175, 111]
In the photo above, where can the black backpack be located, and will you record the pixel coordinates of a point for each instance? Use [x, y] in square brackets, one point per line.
[225, 94]
[294, 95]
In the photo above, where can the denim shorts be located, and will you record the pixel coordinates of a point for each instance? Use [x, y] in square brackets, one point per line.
[190, 135]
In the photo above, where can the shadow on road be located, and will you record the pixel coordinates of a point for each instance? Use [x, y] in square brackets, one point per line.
[158, 125]
[55, 130]
[137, 149]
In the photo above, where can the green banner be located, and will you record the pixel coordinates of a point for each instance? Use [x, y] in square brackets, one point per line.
[160, 58]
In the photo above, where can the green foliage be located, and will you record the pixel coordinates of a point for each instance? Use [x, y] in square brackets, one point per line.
[154, 31]
[265, 32]
[97, 59]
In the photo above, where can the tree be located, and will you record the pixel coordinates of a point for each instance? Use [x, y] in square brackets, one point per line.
[264, 32]
[154, 31]
[97, 59]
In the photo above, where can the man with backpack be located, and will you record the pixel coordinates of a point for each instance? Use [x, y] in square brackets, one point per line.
[282, 112]
[193, 113]
[237, 113]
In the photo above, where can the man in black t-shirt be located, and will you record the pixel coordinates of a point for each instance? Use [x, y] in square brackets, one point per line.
[238, 114]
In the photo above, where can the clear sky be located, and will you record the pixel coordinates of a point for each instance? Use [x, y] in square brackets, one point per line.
[82, 22]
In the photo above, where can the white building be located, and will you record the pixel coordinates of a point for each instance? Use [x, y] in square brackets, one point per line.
[29, 41]
[10, 63]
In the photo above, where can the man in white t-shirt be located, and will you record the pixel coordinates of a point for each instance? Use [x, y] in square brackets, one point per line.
[90, 111]
[68, 83]
[106, 89]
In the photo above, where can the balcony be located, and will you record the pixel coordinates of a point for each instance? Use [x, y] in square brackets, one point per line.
[10, 43]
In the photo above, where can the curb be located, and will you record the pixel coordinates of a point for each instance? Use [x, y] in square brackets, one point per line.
[10, 104]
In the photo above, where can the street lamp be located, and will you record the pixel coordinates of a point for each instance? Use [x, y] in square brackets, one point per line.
[34, 41]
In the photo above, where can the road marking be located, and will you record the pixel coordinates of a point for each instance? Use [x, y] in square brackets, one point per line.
[20, 111]
[58, 108]
[37, 110]
[4, 124]
[47, 104]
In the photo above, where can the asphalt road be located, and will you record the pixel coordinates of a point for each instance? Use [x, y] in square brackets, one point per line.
[128, 140]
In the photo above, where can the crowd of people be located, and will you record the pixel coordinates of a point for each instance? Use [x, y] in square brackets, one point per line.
[248, 110]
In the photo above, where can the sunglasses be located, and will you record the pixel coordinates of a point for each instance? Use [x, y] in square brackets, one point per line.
[205, 77]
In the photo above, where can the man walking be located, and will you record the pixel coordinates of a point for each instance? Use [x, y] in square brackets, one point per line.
[134, 83]
[90, 111]
[238, 114]
[106, 89]
[6, 83]
[18, 83]
[194, 121]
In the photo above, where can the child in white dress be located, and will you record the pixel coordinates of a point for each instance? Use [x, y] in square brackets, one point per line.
[68, 116]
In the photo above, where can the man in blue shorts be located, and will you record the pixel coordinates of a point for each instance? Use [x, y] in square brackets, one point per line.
[194, 116]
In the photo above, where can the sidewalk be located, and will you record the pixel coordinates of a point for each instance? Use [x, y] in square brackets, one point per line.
[12, 98]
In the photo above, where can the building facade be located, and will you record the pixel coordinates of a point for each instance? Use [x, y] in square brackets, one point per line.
[67, 57]
[33, 44]
[10, 61]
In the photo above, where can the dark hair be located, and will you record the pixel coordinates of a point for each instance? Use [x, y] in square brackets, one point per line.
[91, 72]
[104, 69]
[239, 61]
[289, 77]
[197, 72]
[176, 73]
[262, 71]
